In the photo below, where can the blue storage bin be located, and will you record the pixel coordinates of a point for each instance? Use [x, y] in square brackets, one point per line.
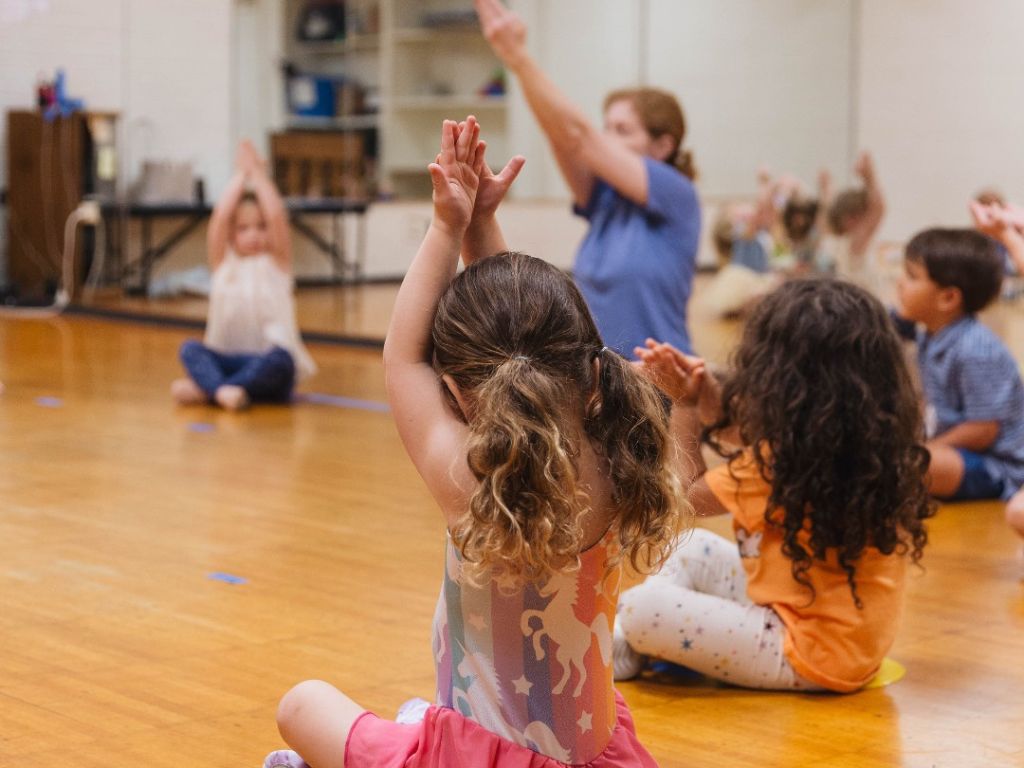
[311, 96]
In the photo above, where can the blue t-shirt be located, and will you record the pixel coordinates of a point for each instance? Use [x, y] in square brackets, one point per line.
[968, 374]
[635, 266]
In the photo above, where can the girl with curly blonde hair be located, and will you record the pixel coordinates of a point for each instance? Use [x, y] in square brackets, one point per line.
[551, 460]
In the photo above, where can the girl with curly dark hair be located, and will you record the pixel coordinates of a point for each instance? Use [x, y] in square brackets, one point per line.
[825, 480]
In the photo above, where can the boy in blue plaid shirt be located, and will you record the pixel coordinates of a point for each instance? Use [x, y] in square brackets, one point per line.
[972, 386]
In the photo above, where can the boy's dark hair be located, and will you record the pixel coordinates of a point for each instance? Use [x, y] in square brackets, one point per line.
[849, 202]
[798, 217]
[960, 258]
[822, 396]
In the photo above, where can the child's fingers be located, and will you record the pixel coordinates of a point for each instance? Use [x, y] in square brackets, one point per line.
[438, 179]
[511, 170]
[480, 163]
[465, 140]
[447, 142]
[488, 10]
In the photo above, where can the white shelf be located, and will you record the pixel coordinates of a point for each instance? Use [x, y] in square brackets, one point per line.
[416, 74]
[351, 44]
[348, 123]
[468, 101]
[422, 35]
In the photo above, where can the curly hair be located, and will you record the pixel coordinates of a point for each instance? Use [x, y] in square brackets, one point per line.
[515, 335]
[820, 390]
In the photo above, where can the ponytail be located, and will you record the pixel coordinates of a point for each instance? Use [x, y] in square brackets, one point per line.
[684, 163]
[628, 418]
[525, 515]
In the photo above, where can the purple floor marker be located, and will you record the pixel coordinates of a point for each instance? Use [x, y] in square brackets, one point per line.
[49, 402]
[201, 426]
[227, 578]
[318, 398]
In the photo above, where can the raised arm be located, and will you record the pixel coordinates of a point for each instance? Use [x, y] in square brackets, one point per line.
[686, 382]
[582, 150]
[274, 211]
[824, 200]
[1001, 225]
[867, 225]
[218, 232]
[433, 435]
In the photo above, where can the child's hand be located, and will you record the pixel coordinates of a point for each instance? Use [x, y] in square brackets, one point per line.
[678, 375]
[865, 167]
[455, 175]
[504, 30]
[493, 187]
[243, 158]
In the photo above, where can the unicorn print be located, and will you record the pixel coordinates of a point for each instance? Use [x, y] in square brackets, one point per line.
[558, 623]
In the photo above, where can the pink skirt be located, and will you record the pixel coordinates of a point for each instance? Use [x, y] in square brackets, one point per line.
[446, 739]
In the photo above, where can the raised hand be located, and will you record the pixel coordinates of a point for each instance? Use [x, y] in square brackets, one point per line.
[865, 167]
[504, 30]
[493, 187]
[455, 175]
[681, 377]
[997, 222]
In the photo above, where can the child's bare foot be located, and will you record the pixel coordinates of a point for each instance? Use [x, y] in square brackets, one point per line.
[231, 397]
[187, 392]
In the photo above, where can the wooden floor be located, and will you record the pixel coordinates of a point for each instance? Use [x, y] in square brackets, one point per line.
[125, 520]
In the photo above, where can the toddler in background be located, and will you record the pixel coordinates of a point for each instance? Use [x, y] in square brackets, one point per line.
[252, 351]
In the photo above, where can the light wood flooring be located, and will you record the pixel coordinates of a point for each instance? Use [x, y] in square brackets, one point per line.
[124, 520]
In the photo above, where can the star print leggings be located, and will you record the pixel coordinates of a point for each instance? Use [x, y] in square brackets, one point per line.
[695, 612]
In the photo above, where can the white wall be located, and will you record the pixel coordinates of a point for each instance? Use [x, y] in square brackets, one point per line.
[761, 84]
[941, 104]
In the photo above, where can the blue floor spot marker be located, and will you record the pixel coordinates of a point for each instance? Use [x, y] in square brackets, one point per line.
[49, 402]
[201, 426]
[227, 578]
[675, 670]
[337, 401]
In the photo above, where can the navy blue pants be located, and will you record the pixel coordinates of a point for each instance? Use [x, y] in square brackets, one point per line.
[266, 378]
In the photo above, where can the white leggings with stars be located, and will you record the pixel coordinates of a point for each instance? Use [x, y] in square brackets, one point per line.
[695, 612]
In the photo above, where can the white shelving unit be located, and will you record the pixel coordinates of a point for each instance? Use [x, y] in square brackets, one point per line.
[417, 62]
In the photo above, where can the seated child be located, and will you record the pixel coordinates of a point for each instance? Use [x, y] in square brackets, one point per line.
[252, 348]
[551, 460]
[971, 384]
[854, 216]
[825, 485]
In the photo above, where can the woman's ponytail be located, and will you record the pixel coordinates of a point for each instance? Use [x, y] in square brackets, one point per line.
[685, 164]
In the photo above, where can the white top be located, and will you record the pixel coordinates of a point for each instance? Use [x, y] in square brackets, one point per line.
[252, 309]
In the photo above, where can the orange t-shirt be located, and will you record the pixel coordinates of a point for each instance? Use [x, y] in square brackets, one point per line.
[828, 639]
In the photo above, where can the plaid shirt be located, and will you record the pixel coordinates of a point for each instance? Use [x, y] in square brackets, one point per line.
[968, 374]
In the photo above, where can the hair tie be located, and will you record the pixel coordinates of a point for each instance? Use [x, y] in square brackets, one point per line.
[524, 358]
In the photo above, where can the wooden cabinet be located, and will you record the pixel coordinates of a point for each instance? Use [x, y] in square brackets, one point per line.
[52, 166]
